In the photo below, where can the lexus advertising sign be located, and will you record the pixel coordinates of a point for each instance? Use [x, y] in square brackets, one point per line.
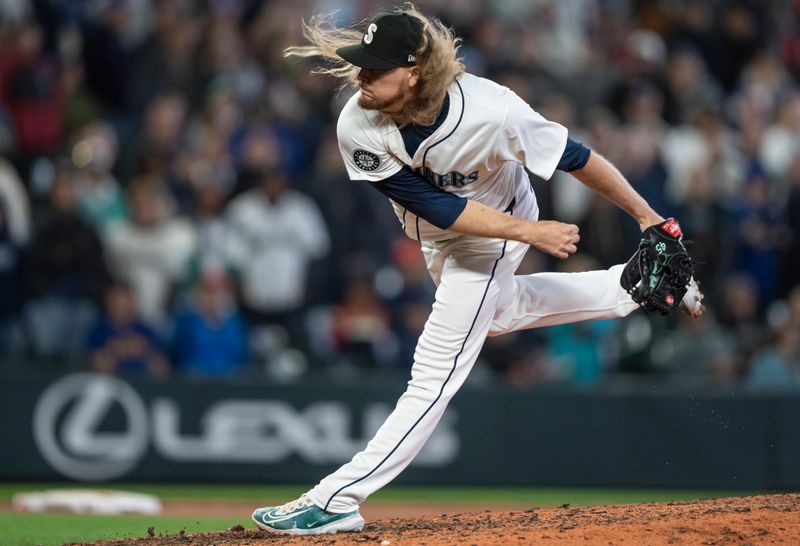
[92, 427]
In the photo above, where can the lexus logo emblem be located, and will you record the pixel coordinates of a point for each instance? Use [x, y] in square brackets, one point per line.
[67, 424]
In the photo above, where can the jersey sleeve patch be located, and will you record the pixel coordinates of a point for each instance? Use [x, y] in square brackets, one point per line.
[365, 160]
[364, 151]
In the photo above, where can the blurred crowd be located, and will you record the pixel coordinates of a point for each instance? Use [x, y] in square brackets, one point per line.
[173, 202]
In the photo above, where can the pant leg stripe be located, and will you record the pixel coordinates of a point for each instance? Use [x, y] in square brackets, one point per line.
[441, 390]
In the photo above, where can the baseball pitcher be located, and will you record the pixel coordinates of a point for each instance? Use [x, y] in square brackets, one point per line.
[450, 150]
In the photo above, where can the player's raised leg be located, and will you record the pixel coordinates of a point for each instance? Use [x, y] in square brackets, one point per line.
[546, 299]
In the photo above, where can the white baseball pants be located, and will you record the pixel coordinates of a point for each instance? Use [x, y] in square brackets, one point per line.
[477, 295]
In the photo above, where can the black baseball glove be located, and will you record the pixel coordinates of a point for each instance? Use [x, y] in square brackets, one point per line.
[660, 272]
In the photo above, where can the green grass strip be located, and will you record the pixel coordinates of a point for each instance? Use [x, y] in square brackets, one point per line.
[56, 529]
[454, 495]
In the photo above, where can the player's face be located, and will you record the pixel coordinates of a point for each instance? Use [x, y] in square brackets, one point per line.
[386, 90]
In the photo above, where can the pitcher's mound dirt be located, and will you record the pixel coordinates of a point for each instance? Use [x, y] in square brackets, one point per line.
[768, 519]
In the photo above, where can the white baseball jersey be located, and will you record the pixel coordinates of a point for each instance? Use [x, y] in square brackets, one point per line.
[480, 151]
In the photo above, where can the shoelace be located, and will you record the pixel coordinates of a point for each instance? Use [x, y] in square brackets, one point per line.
[294, 505]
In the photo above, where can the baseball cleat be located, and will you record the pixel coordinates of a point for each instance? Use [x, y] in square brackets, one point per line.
[692, 302]
[303, 517]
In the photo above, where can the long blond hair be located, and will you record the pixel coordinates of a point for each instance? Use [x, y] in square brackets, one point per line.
[437, 59]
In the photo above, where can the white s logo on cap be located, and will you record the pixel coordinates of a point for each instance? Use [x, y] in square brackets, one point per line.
[370, 30]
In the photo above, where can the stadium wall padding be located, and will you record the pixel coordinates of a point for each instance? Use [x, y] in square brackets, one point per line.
[95, 428]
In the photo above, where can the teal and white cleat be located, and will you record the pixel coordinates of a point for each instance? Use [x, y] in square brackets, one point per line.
[303, 517]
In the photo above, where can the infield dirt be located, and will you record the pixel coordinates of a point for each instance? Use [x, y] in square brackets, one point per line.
[766, 519]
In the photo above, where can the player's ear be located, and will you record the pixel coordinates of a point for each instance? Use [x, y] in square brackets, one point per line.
[413, 76]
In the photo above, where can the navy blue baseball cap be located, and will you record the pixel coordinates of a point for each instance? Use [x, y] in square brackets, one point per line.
[391, 40]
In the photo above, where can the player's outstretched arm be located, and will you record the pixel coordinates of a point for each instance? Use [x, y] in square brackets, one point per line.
[601, 176]
[555, 238]
[659, 276]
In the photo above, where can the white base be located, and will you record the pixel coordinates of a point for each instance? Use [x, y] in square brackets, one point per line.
[87, 501]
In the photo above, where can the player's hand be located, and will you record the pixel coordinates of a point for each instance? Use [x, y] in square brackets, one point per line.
[555, 238]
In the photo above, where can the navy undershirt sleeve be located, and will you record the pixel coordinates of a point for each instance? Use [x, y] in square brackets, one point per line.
[574, 157]
[416, 194]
